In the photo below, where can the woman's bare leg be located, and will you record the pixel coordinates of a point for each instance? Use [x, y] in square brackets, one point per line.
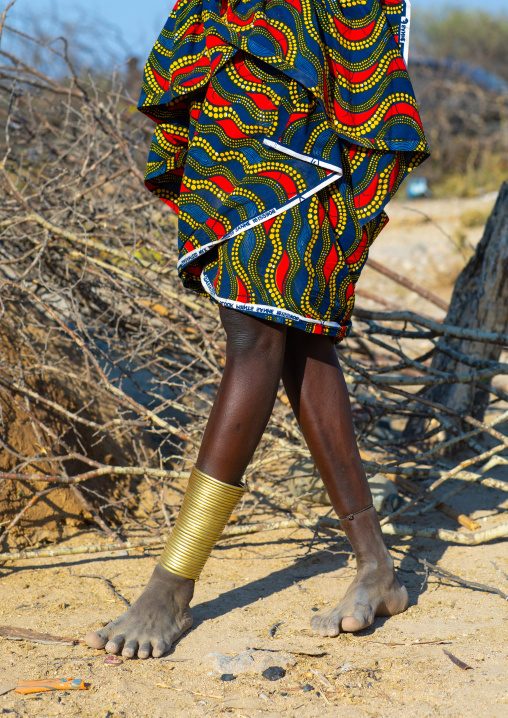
[318, 394]
[242, 407]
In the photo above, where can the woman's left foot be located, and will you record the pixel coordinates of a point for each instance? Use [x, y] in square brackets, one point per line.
[375, 591]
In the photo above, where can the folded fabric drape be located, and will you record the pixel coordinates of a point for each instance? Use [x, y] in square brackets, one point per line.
[283, 129]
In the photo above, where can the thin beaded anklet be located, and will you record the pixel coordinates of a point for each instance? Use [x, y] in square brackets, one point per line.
[351, 516]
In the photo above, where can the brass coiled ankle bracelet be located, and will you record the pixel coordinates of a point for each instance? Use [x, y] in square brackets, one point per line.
[206, 509]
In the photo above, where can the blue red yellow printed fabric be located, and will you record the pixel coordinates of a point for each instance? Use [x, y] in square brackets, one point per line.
[283, 127]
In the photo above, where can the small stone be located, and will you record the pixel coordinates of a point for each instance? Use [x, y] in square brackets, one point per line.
[274, 673]
[307, 688]
[227, 677]
[248, 661]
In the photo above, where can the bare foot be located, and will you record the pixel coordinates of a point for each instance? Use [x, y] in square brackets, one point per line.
[158, 618]
[375, 591]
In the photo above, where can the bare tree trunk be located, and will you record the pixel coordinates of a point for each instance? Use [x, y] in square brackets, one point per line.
[479, 301]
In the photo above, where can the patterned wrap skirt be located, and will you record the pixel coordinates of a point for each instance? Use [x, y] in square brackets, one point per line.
[283, 127]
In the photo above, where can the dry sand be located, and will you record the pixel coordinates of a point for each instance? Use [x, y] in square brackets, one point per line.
[247, 588]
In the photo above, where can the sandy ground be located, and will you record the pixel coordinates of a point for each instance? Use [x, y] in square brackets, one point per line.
[252, 583]
[246, 588]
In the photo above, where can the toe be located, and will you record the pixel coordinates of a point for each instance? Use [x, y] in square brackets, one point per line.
[321, 627]
[315, 621]
[318, 625]
[332, 626]
[160, 648]
[130, 649]
[145, 650]
[362, 617]
[95, 640]
[115, 645]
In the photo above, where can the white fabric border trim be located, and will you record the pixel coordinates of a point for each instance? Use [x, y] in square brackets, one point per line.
[404, 31]
[191, 256]
[262, 308]
[306, 158]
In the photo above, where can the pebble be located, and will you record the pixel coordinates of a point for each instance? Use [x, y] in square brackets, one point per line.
[274, 673]
[308, 688]
[248, 661]
[113, 661]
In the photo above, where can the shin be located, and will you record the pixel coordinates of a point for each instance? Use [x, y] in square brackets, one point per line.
[245, 399]
[319, 397]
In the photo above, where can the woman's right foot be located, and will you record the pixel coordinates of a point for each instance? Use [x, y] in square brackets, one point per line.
[153, 623]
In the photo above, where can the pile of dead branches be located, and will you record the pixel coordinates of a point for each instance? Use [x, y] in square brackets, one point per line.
[101, 347]
[465, 124]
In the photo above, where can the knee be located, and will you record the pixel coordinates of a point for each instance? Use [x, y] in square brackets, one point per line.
[249, 337]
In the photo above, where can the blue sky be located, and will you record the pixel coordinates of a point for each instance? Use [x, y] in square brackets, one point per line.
[140, 22]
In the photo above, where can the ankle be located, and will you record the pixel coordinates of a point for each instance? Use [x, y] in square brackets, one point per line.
[378, 561]
[181, 588]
